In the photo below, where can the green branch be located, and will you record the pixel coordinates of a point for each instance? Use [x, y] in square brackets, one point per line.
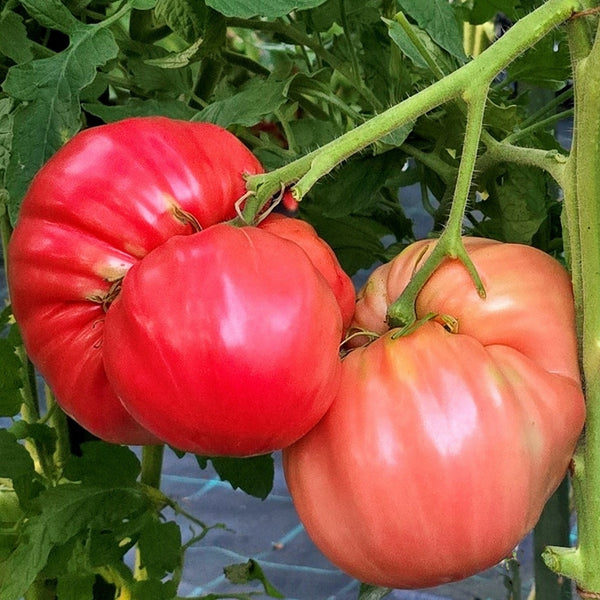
[551, 161]
[583, 230]
[402, 312]
[480, 72]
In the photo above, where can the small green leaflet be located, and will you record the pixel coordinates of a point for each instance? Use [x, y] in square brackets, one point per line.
[251, 571]
[403, 41]
[177, 60]
[142, 4]
[160, 548]
[257, 100]
[10, 381]
[437, 18]
[16, 465]
[516, 209]
[136, 107]
[253, 475]
[76, 587]
[186, 17]
[52, 14]
[372, 592]
[13, 38]
[270, 9]
[103, 464]
[547, 64]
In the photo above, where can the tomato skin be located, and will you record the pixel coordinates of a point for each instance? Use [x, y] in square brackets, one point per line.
[101, 203]
[321, 255]
[236, 354]
[518, 280]
[441, 449]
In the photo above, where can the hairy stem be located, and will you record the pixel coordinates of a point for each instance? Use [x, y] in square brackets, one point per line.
[480, 72]
[152, 461]
[402, 312]
[583, 230]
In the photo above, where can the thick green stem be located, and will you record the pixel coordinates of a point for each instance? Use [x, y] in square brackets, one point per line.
[402, 312]
[58, 420]
[150, 476]
[480, 72]
[152, 459]
[582, 208]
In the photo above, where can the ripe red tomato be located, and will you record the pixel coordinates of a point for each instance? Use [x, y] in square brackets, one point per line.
[225, 342]
[441, 448]
[100, 205]
[321, 255]
[110, 214]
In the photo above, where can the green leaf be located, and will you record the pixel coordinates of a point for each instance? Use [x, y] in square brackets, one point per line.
[477, 12]
[437, 18]
[177, 60]
[50, 112]
[103, 464]
[547, 64]
[403, 41]
[13, 38]
[313, 133]
[65, 511]
[142, 4]
[6, 127]
[154, 82]
[76, 587]
[137, 107]
[10, 508]
[185, 17]
[52, 14]
[155, 590]
[355, 239]
[17, 465]
[354, 186]
[251, 571]
[253, 475]
[257, 100]
[43, 434]
[372, 592]
[160, 548]
[270, 9]
[517, 204]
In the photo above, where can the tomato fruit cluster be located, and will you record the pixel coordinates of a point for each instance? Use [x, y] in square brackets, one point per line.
[151, 317]
[419, 458]
[441, 447]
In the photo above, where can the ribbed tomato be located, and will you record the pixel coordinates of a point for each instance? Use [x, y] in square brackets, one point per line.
[225, 342]
[103, 204]
[442, 447]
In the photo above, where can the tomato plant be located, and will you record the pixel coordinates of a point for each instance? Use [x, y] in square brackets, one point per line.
[472, 409]
[375, 124]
